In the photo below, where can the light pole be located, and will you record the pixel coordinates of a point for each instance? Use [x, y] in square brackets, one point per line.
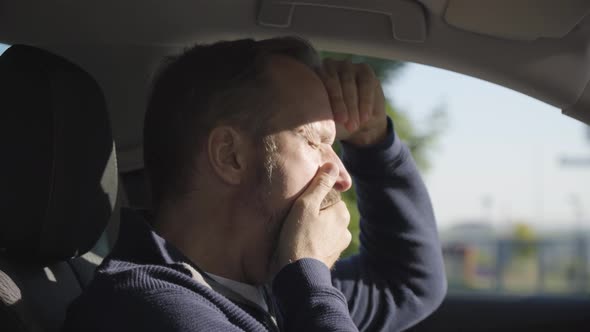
[581, 243]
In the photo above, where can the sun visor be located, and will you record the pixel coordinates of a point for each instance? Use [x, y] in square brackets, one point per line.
[525, 20]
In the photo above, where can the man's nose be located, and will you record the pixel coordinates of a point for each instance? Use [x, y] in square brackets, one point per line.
[344, 182]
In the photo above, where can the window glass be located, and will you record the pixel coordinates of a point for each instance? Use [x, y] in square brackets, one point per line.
[3, 47]
[509, 178]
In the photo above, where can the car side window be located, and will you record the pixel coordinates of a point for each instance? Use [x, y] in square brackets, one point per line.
[508, 176]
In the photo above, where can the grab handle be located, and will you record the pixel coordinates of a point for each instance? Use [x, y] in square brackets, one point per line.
[408, 21]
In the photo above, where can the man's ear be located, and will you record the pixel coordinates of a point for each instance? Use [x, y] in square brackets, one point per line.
[227, 150]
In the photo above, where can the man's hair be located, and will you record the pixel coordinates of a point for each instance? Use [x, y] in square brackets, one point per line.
[225, 83]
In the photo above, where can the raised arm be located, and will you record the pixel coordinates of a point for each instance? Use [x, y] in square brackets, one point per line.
[398, 277]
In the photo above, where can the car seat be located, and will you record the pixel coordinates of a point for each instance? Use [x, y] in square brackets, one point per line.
[58, 189]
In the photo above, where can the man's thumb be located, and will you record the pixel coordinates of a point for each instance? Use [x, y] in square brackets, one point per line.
[322, 183]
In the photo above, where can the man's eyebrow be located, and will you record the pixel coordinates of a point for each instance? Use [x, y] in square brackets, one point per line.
[307, 131]
[314, 134]
[324, 135]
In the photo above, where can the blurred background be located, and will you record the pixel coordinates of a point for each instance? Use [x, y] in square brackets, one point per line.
[509, 178]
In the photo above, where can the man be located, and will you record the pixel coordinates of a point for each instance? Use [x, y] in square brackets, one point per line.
[248, 224]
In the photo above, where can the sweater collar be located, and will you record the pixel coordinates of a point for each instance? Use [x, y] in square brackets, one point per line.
[139, 243]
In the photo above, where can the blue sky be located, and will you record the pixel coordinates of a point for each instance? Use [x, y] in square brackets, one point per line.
[500, 147]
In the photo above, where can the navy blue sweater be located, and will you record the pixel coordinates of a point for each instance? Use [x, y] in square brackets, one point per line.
[396, 280]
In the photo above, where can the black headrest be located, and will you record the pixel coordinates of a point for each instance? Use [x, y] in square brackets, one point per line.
[58, 164]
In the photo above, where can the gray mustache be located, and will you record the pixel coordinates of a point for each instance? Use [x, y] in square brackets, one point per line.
[331, 198]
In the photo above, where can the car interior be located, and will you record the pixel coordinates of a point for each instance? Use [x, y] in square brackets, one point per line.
[73, 90]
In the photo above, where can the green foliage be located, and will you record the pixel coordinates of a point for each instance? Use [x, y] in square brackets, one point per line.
[420, 142]
[525, 240]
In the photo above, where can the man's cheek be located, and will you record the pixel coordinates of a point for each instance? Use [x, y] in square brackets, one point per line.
[276, 227]
[299, 170]
[303, 181]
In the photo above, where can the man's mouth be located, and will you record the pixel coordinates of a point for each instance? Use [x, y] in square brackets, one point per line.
[331, 198]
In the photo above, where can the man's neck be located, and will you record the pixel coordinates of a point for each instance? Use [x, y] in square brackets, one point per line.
[204, 236]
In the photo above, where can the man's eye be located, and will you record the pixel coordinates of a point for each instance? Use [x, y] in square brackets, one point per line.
[312, 144]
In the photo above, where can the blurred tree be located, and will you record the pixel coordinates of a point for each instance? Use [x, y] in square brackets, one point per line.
[525, 240]
[420, 142]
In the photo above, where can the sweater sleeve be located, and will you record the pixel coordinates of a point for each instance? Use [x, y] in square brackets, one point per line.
[172, 310]
[307, 299]
[398, 278]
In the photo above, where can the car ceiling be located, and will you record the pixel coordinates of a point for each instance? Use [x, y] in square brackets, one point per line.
[537, 47]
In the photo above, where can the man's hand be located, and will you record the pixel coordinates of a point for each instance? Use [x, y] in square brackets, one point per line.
[357, 100]
[308, 231]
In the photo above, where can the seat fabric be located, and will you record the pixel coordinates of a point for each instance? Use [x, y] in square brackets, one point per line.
[59, 185]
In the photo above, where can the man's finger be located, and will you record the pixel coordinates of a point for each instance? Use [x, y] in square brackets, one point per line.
[329, 76]
[320, 186]
[347, 75]
[379, 100]
[366, 87]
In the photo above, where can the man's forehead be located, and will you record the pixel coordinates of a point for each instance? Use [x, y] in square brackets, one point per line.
[302, 97]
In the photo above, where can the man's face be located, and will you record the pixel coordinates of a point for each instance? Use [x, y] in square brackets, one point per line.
[305, 132]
